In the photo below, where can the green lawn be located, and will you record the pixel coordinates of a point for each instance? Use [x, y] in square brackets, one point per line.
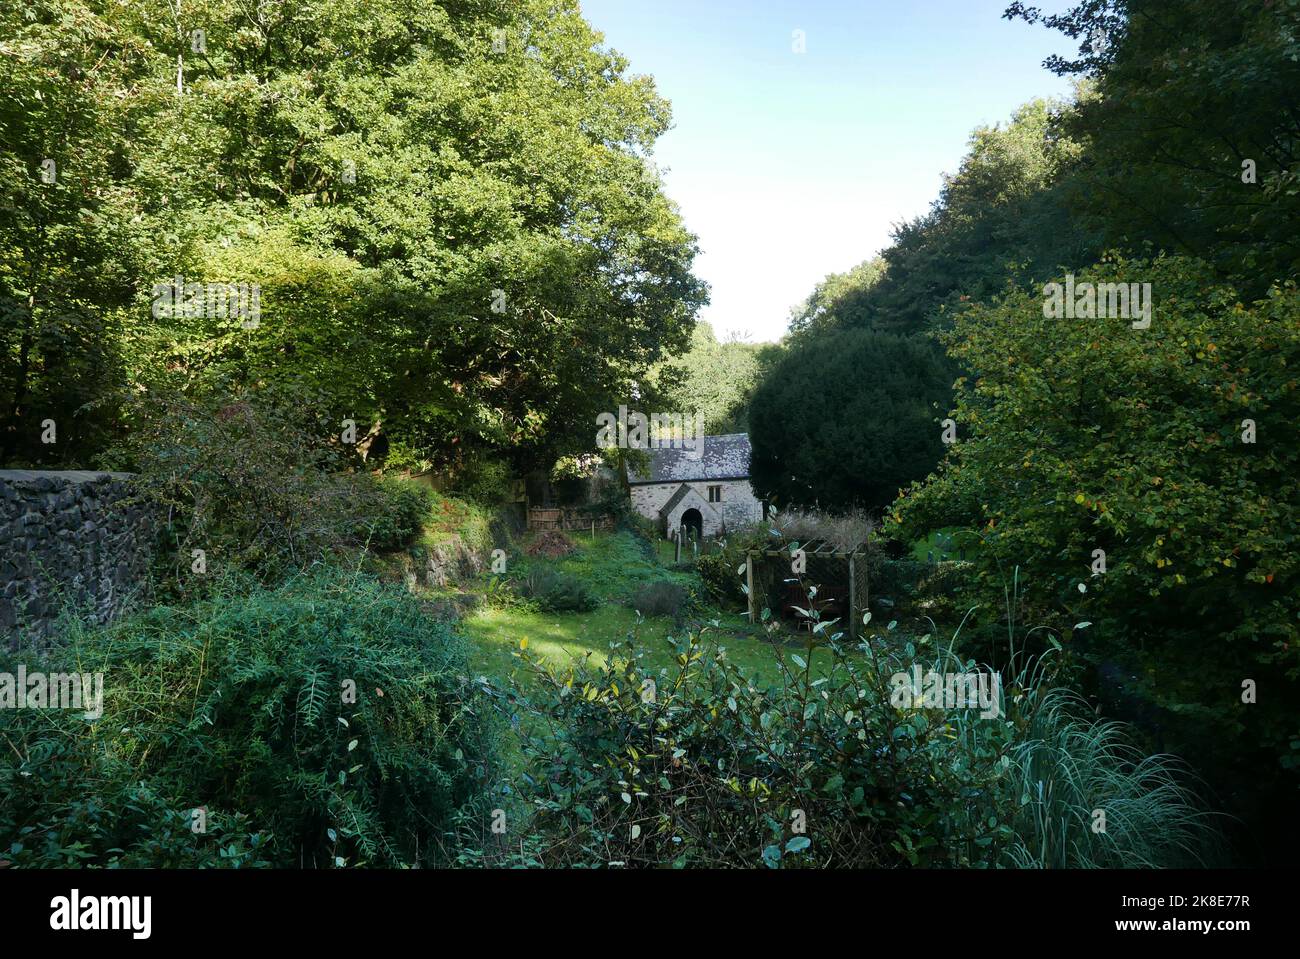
[562, 638]
[614, 566]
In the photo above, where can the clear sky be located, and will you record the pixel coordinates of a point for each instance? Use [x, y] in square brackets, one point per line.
[790, 166]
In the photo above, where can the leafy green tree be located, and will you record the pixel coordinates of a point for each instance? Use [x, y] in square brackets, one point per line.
[849, 418]
[1171, 450]
[451, 209]
[842, 300]
[1190, 94]
[715, 379]
[70, 240]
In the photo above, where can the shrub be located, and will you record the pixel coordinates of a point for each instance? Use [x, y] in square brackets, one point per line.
[256, 482]
[483, 479]
[393, 514]
[327, 722]
[506, 526]
[662, 598]
[696, 765]
[940, 587]
[721, 571]
[894, 581]
[557, 592]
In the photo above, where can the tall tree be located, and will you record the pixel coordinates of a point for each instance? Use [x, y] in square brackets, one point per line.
[849, 418]
[1192, 144]
[451, 211]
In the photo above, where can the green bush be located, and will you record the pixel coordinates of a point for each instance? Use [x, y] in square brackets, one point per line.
[556, 592]
[327, 722]
[257, 481]
[662, 598]
[483, 479]
[394, 513]
[1086, 437]
[722, 572]
[720, 577]
[894, 581]
[696, 765]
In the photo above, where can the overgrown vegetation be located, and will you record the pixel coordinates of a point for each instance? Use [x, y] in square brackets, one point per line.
[257, 481]
[557, 592]
[697, 764]
[328, 722]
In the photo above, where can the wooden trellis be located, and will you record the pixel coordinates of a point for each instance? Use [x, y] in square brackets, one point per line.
[769, 576]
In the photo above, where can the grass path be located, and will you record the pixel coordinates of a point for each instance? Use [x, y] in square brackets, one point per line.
[561, 638]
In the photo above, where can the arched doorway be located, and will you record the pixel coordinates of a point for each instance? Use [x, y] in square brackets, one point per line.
[693, 522]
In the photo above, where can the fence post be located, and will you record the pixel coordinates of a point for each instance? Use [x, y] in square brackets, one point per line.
[853, 597]
[749, 584]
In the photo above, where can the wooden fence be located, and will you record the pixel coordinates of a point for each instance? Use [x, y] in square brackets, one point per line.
[567, 519]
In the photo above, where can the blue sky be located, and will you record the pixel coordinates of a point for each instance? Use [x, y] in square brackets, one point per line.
[791, 166]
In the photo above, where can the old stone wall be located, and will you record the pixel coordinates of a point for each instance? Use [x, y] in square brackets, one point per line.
[66, 537]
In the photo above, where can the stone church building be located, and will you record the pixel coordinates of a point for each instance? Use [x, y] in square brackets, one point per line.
[708, 495]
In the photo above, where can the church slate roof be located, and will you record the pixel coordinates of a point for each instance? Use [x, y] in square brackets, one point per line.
[726, 457]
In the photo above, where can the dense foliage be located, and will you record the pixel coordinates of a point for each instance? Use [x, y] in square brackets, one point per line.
[848, 418]
[449, 209]
[328, 723]
[1188, 91]
[701, 765]
[714, 380]
[255, 482]
[1084, 435]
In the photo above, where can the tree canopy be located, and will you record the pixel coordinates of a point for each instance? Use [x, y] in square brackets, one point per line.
[450, 209]
[848, 419]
